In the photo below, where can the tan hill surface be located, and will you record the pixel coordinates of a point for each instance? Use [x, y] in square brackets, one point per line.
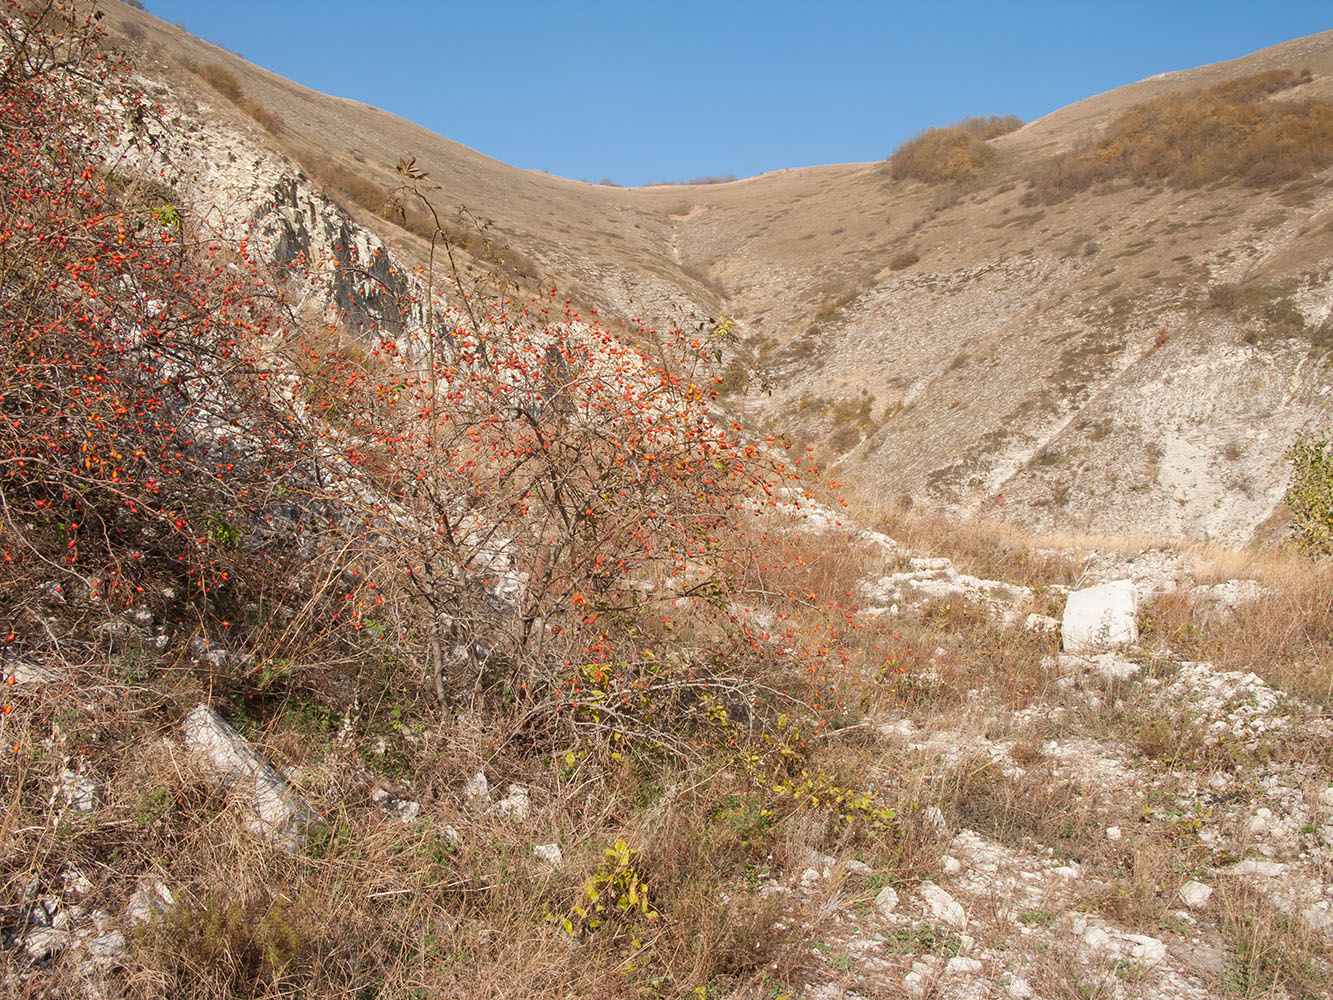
[357, 646]
[1058, 365]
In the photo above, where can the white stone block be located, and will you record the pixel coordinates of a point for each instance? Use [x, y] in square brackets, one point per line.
[1101, 617]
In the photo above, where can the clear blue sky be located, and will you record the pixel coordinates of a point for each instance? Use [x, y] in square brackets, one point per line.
[649, 91]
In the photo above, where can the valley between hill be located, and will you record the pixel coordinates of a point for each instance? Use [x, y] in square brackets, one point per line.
[820, 585]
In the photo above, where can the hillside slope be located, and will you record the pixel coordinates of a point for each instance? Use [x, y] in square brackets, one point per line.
[1061, 366]
[372, 632]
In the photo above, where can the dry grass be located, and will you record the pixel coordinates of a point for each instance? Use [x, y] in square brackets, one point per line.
[1273, 955]
[1233, 131]
[1286, 636]
[954, 154]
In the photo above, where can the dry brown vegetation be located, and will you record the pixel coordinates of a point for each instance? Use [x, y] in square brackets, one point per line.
[953, 154]
[1235, 131]
[374, 907]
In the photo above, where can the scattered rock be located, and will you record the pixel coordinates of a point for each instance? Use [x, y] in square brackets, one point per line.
[279, 812]
[43, 942]
[886, 900]
[1229, 596]
[931, 580]
[1098, 939]
[213, 653]
[477, 792]
[1040, 623]
[960, 965]
[515, 805]
[1261, 822]
[148, 902]
[405, 809]
[1113, 833]
[1145, 949]
[1195, 894]
[942, 906]
[550, 853]
[107, 947]
[1100, 618]
[27, 672]
[80, 792]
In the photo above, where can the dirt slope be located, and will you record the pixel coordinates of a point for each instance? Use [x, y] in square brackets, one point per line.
[1061, 366]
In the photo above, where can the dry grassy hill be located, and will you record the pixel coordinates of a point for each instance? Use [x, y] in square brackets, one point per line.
[367, 634]
[1061, 365]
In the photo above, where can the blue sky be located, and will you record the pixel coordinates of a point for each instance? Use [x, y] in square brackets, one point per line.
[651, 91]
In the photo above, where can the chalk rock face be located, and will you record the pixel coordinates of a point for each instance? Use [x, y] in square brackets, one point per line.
[1101, 617]
[280, 813]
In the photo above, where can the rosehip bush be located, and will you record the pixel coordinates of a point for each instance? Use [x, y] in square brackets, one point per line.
[545, 516]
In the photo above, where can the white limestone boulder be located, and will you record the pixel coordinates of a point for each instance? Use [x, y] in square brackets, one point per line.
[1100, 618]
[279, 812]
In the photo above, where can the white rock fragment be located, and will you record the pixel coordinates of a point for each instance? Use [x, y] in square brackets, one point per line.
[942, 906]
[934, 817]
[549, 853]
[280, 813]
[43, 942]
[1019, 988]
[1113, 833]
[477, 791]
[960, 965]
[148, 902]
[1195, 894]
[1098, 939]
[1146, 949]
[886, 899]
[107, 947]
[1115, 668]
[933, 579]
[25, 672]
[951, 865]
[405, 809]
[1318, 916]
[1100, 618]
[206, 651]
[80, 792]
[1040, 623]
[1261, 822]
[515, 805]
[917, 981]
[1228, 596]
